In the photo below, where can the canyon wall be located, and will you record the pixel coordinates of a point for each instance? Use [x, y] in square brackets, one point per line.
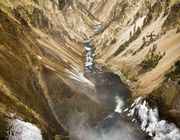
[42, 59]
[139, 41]
[42, 64]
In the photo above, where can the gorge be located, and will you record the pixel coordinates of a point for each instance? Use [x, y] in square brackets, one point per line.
[89, 69]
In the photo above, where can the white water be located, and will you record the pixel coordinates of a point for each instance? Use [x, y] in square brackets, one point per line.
[21, 130]
[150, 122]
[119, 105]
[90, 53]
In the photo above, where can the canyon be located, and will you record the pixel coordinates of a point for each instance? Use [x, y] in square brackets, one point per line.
[58, 58]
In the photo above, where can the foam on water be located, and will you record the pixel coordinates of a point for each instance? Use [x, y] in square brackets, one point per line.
[89, 54]
[21, 130]
[119, 105]
[150, 122]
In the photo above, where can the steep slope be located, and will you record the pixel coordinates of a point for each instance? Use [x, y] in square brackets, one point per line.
[129, 41]
[42, 60]
[140, 42]
[42, 64]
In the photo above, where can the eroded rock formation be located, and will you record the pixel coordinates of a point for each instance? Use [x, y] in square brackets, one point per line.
[42, 59]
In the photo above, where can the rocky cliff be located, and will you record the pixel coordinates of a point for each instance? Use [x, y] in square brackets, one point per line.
[140, 41]
[42, 59]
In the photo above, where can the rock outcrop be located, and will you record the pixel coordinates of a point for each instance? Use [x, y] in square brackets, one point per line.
[42, 64]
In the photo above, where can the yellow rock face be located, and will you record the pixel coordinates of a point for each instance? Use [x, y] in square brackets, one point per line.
[42, 59]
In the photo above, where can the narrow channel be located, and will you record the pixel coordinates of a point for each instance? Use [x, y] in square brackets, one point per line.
[113, 93]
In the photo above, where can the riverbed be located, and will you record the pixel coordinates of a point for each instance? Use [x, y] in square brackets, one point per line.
[113, 93]
[135, 121]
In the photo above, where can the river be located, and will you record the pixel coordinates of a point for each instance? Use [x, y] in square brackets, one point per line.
[113, 93]
[127, 121]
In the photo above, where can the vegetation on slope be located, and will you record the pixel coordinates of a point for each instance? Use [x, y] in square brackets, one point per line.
[151, 60]
[174, 73]
[126, 44]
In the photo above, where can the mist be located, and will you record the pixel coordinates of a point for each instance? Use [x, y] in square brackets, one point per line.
[109, 129]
